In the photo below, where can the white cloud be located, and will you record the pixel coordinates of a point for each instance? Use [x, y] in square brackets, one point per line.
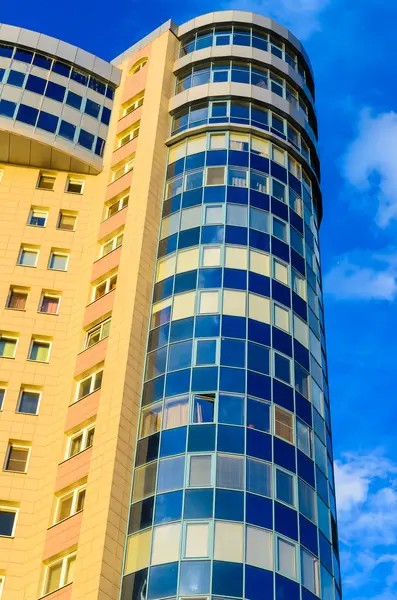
[301, 16]
[370, 162]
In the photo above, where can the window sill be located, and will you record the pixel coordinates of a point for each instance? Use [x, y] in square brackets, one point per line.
[41, 362]
[42, 312]
[44, 189]
[38, 226]
[17, 309]
[8, 357]
[65, 229]
[26, 266]
[57, 270]
[21, 412]
[14, 472]
[74, 193]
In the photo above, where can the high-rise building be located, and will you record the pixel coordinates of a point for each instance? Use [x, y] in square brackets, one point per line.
[164, 425]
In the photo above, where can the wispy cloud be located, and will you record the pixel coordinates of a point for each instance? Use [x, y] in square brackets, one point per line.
[370, 162]
[301, 16]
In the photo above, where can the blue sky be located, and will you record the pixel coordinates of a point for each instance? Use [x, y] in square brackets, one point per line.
[354, 55]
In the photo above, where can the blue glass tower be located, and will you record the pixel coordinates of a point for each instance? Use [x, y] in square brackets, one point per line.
[233, 491]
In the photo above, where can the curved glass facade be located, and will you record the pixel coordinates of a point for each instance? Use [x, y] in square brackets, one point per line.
[233, 491]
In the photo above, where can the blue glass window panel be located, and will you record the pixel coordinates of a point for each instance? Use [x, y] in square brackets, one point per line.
[92, 108]
[259, 511]
[259, 284]
[47, 121]
[281, 340]
[2, 71]
[259, 115]
[177, 383]
[231, 439]
[284, 454]
[280, 249]
[61, 68]
[239, 110]
[238, 158]
[308, 535]
[306, 595]
[301, 355]
[198, 504]
[283, 395]
[163, 581]
[210, 278]
[259, 220]
[207, 326]
[227, 579]
[80, 77]
[97, 85]
[205, 379]
[35, 84]
[232, 380]
[214, 194]
[231, 409]
[258, 358]
[319, 426]
[258, 584]
[105, 116]
[201, 438]
[23, 55]
[258, 385]
[206, 352]
[7, 108]
[180, 356]
[235, 279]
[110, 92]
[188, 238]
[279, 209]
[171, 474]
[302, 381]
[258, 415]
[233, 353]
[306, 468]
[141, 515]
[134, 585]
[171, 205]
[286, 589]
[216, 157]
[237, 195]
[181, 329]
[42, 61]
[86, 139]
[259, 445]
[55, 91]
[74, 100]
[212, 234]
[282, 368]
[234, 327]
[176, 168]
[325, 552]
[156, 363]
[296, 221]
[27, 114]
[16, 78]
[153, 390]
[173, 441]
[327, 585]
[259, 332]
[296, 241]
[298, 262]
[195, 161]
[229, 505]
[281, 293]
[322, 485]
[162, 290]
[259, 163]
[158, 337]
[99, 146]
[219, 109]
[6, 50]
[237, 215]
[278, 171]
[259, 240]
[236, 235]
[194, 577]
[168, 507]
[323, 515]
[203, 408]
[286, 521]
[299, 306]
[192, 198]
[147, 449]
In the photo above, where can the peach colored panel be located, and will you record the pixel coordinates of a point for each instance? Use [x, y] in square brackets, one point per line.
[129, 120]
[100, 307]
[82, 410]
[105, 264]
[111, 224]
[136, 83]
[91, 357]
[62, 536]
[122, 153]
[64, 593]
[73, 469]
[118, 186]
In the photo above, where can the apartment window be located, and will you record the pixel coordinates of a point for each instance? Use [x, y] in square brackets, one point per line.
[285, 487]
[59, 573]
[286, 558]
[38, 218]
[39, 350]
[80, 441]
[71, 503]
[89, 384]
[17, 299]
[2, 578]
[309, 572]
[8, 346]
[97, 333]
[123, 169]
[133, 106]
[114, 208]
[29, 402]
[112, 244]
[138, 67]
[46, 182]
[124, 139]
[74, 186]
[104, 287]
[8, 518]
[66, 221]
[280, 271]
[283, 424]
[2, 396]
[28, 257]
[17, 458]
[58, 261]
[281, 317]
[49, 304]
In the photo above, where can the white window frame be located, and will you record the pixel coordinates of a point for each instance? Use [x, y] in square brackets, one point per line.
[283, 410]
[133, 106]
[107, 282]
[74, 180]
[275, 306]
[294, 487]
[16, 512]
[48, 295]
[55, 253]
[75, 494]
[40, 341]
[113, 240]
[123, 169]
[4, 389]
[7, 456]
[128, 137]
[10, 337]
[121, 203]
[297, 562]
[92, 377]
[42, 175]
[99, 327]
[64, 560]
[66, 213]
[16, 289]
[29, 391]
[28, 249]
[39, 212]
[283, 264]
[85, 433]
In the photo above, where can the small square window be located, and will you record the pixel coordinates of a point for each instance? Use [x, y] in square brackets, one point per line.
[8, 346]
[66, 221]
[281, 318]
[28, 402]
[283, 424]
[46, 182]
[200, 473]
[39, 351]
[17, 458]
[214, 214]
[282, 368]
[211, 256]
[280, 271]
[215, 176]
[59, 574]
[28, 257]
[279, 155]
[206, 352]
[203, 408]
[285, 487]
[209, 302]
[7, 521]
[38, 218]
[17, 299]
[286, 558]
[89, 385]
[58, 262]
[75, 186]
[49, 304]
[280, 229]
